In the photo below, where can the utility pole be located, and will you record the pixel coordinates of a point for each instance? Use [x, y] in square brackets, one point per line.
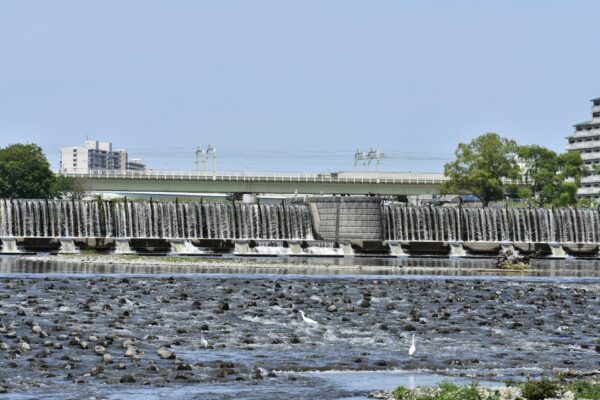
[374, 155]
[199, 156]
[212, 152]
[358, 156]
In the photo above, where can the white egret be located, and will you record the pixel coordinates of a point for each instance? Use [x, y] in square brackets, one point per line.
[203, 341]
[307, 320]
[412, 349]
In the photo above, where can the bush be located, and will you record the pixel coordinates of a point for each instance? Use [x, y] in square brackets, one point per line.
[539, 390]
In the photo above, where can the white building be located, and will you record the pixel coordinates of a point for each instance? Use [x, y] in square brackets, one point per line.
[95, 156]
[586, 140]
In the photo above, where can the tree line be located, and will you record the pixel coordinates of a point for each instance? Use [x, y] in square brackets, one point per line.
[25, 173]
[546, 179]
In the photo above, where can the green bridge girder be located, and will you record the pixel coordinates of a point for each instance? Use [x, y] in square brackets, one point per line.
[271, 183]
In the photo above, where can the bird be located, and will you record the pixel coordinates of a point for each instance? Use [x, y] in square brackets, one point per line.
[203, 341]
[307, 320]
[412, 349]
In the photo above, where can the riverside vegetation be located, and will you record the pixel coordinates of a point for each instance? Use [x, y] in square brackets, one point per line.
[530, 390]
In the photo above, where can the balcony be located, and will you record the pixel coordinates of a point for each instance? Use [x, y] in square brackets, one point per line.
[590, 179]
[590, 156]
[583, 145]
[589, 191]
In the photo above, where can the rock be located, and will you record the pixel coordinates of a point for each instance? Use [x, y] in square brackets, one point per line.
[184, 367]
[256, 374]
[23, 347]
[74, 341]
[92, 338]
[107, 358]
[130, 352]
[120, 366]
[84, 345]
[99, 350]
[127, 379]
[11, 334]
[165, 353]
[332, 308]
[36, 328]
[4, 346]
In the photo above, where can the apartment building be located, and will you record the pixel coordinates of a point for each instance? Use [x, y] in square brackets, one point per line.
[586, 140]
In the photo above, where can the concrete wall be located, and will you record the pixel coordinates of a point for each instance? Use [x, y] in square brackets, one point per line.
[347, 218]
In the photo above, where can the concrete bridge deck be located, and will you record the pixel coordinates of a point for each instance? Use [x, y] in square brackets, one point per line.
[355, 183]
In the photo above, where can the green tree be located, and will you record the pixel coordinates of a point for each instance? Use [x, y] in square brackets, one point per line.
[551, 178]
[480, 167]
[25, 172]
[67, 187]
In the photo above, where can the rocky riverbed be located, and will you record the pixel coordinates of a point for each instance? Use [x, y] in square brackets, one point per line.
[68, 332]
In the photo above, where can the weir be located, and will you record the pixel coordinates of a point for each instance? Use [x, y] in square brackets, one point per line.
[9, 245]
[144, 219]
[325, 226]
[396, 248]
[67, 246]
[181, 246]
[122, 246]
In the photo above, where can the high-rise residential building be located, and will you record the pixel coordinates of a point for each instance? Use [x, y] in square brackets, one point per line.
[94, 156]
[586, 140]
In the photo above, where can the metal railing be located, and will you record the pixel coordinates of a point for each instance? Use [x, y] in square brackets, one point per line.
[392, 178]
[327, 177]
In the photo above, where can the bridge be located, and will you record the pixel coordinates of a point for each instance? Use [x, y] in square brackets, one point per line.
[190, 182]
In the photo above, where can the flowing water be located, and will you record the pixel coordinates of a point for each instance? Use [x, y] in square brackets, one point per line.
[144, 219]
[467, 323]
[492, 224]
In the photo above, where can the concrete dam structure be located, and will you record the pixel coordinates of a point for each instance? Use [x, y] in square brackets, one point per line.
[320, 226]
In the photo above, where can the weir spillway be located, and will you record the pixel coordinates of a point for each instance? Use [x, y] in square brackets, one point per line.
[319, 225]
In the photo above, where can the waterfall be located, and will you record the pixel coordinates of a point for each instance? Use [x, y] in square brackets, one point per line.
[142, 219]
[530, 225]
[9, 245]
[271, 247]
[67, 246]
[122, 247]
[179, 246]
[323, 248]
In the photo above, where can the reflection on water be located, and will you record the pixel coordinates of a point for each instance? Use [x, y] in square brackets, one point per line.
[380, 268]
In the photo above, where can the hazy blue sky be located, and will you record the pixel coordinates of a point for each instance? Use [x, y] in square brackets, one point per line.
[295, 85]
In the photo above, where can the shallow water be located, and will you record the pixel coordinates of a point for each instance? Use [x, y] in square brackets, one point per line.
[466, 323]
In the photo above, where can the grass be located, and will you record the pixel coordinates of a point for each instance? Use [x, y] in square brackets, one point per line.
[585, 390]
[530, 390]
[446, 391]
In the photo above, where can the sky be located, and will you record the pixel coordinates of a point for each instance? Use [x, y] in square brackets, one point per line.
[295, 85]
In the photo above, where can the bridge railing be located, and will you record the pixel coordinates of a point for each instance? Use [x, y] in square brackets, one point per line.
[407, 178]
[329, 177]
